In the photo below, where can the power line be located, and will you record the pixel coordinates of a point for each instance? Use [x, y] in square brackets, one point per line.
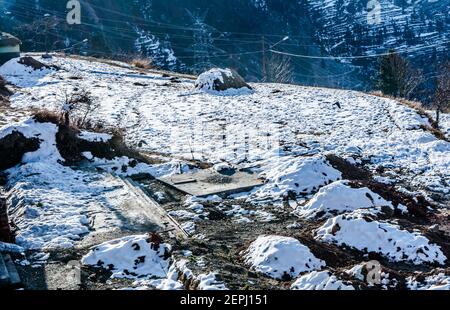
[356, 57]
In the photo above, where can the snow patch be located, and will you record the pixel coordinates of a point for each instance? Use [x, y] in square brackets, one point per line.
[45, 132]
[23, 76]
[130, 257]
[359, 231]
[299, 175]
[439, 282]
[209, 282]
[322, 280]
[95, 137]
[338, 198]
[280, 257]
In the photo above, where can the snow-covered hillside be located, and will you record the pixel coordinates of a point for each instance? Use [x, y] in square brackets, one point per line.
[366, 177]
[168, 116]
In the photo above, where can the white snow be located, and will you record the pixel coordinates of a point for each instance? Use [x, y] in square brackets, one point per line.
[170, 283]
[299, 175]
[338, 198]
[123, 166]
[277, 256]
[204, 281]
[24, 76]
[95, 137]
[209, 282]
[45, 132]
[438, 282]
[283, 136]
[130, 257]
[189, 227]
[357, 271]
[47, 214]
[358, 230]
[249, 128]
[55, 206]
[322, 280]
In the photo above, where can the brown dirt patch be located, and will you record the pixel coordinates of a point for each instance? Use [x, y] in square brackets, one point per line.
[35, 64]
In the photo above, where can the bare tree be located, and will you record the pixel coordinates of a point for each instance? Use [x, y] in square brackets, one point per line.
[279, 69]
[42, 29]
[77, 106]
[442, 94]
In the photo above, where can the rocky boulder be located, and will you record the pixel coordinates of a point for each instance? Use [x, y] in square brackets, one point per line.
[218, 79]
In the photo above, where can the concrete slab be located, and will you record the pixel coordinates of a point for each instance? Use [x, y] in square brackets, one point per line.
[209, 182]
[136, 213]
[155, 212]
[14, 278]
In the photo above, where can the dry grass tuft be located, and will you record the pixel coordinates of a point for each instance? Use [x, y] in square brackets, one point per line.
[46, 116]
[142, 63]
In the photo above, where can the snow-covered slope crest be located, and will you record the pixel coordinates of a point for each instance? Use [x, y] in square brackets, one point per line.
[280, 257]
[130, 257]
[358, 230]
[322, 280]
[338, 198]
[45, 132]
[22, 75]
[173, 119]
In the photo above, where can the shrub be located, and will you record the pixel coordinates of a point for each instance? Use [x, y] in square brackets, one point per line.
[78, 106]
[142, 63]
[46, 116]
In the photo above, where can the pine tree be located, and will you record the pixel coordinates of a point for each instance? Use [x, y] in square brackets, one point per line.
[396, 77]
[387, 80]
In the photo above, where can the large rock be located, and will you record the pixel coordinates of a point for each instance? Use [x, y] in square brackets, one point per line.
[218, 79]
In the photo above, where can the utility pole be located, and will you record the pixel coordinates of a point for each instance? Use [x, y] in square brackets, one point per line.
[46, 24]
[264, 65]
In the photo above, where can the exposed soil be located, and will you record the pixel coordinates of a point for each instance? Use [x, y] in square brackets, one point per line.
[5, 92]
[35, 64]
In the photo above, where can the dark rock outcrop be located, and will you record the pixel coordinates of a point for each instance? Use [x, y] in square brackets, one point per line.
[6, 234]
[71, 147]
[13, 147]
